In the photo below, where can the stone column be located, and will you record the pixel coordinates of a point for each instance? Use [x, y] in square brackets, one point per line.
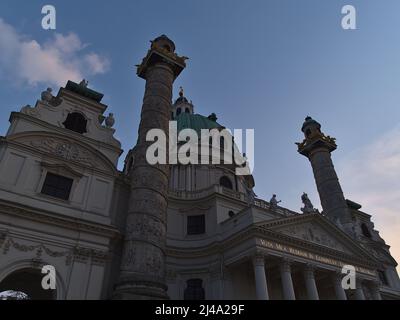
[260, 278]
[375, 290]
[142, 272]
[311, 286]
[317, 148]
[359, 292]
[286, 277]
[337, 284]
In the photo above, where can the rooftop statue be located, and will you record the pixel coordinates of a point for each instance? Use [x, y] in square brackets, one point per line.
[273, 203]
[84, 83]
[308, 206]
[46, 95]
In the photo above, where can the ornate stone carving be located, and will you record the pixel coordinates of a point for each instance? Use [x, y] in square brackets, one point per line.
[78, 253]
[46, 95]
[159, 68]
[308, 206]
[110, 121]
[28, 110]
[144, 227]
[314, 233]
[40, 248]
[66, 150]
[129, 255]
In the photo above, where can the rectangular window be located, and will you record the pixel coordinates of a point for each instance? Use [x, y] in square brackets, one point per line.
[57, 186]
[196, 224]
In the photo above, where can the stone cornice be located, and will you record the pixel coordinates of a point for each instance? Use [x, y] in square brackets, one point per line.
[255, 231]
[316, 217]
[52, 218]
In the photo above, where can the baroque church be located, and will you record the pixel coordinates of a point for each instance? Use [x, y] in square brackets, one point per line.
[168, 231]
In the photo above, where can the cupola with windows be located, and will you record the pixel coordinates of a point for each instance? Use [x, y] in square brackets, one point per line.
[181, 105]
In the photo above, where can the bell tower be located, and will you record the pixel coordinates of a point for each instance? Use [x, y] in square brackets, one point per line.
[142, 271]
[317, 148]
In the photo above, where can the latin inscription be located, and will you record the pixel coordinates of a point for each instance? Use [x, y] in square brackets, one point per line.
[310, 255]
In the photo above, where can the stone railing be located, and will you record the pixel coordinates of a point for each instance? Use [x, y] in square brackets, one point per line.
[199, 194]
[188, 195]
[265, 205]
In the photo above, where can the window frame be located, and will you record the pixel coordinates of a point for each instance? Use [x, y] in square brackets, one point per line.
[60, 170]
[198, 292]
[199, 226]
[60, 185]
[83, 117]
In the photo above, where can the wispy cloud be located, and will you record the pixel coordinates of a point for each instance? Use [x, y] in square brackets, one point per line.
[61, 58]
[371, 177]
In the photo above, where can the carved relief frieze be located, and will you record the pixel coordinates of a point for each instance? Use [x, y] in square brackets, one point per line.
[78, 253]
[147, 227]
[313, 233]
[65, 150]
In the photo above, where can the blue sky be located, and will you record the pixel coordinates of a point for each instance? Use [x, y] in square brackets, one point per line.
[257, 64]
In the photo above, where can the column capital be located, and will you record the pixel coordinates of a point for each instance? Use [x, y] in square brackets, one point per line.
[337, 276]
[258, 259]
[286, 264]
[309, 270]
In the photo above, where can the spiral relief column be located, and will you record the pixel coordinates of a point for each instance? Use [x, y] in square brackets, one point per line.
[142, 272]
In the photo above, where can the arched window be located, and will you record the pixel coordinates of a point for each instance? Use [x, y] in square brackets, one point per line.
[187, 110]
[222, 143]
[178, 111]
[365, 230]
[194, 290]
[226, 182]
[76, 122]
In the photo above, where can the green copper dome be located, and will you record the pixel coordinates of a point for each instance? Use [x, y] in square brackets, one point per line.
[195, 122]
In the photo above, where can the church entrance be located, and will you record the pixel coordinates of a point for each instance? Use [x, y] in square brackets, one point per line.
[25, 284]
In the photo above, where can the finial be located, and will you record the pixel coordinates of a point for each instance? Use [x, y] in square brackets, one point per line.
[180, 91]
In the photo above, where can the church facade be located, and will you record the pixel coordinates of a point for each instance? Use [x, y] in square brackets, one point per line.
[168, 231]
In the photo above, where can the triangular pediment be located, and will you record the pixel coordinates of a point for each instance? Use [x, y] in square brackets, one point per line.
[316, 229]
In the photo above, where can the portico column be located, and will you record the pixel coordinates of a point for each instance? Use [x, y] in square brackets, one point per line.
[359, 292]
[286, 277]
[376, 295]
[260, 278]
[337, 284]
[311, 286]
